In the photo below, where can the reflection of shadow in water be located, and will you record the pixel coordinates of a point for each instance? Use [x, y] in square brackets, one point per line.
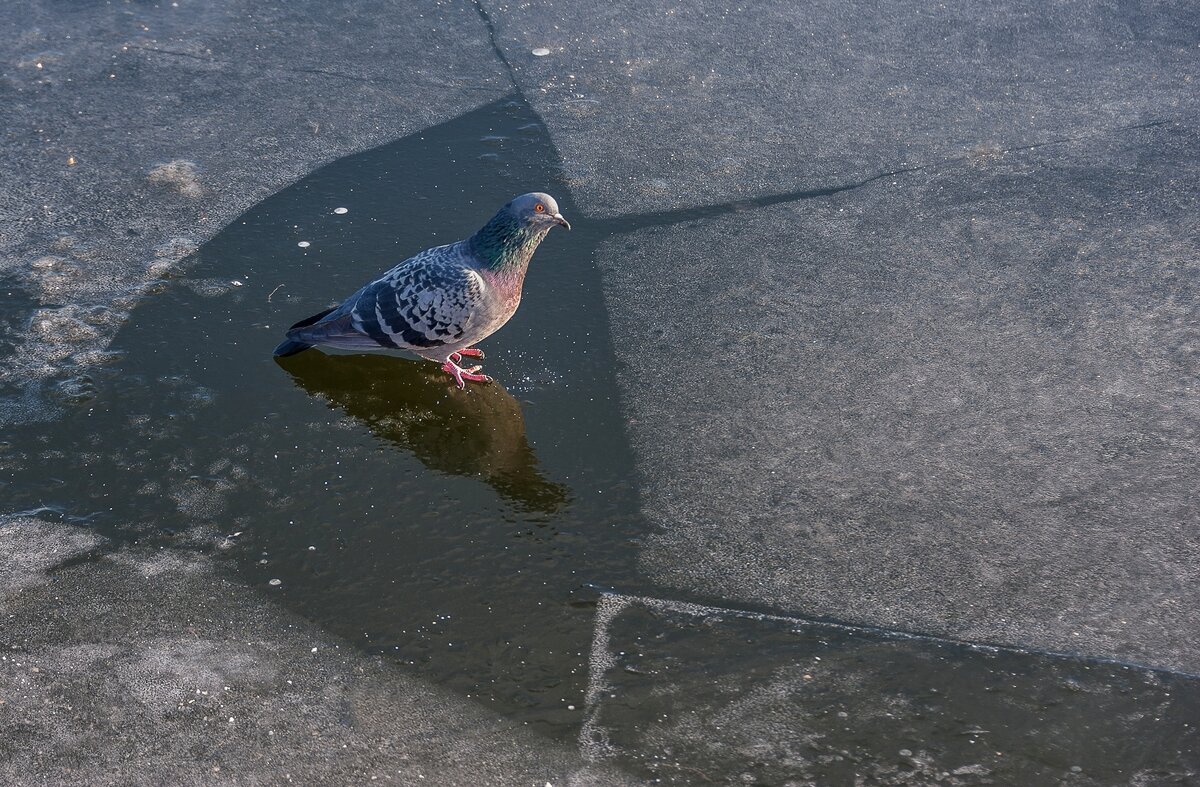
[476, 432]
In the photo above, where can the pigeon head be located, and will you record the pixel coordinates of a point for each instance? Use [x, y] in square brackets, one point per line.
[536, 210]
[509, 239]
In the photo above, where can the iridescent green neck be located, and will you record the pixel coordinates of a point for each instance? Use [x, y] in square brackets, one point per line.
[505, 245]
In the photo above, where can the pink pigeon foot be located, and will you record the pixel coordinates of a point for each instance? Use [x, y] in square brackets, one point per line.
[460, 374]
[469, 352]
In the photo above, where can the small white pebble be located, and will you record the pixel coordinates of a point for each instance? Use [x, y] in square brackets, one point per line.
[340, 211]
[905, 753]
[570, 707]
[314, 650]
[275, 582]
[231, 720]
[540, 51]
[304, 244]
[312, 549]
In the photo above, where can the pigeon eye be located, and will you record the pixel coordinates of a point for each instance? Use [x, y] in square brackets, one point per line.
[540, 208]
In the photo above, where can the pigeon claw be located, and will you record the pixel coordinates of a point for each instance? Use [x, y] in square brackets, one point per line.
[461, 375]
[469, 352]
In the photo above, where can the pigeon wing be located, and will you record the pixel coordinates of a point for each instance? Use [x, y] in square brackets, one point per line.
[422, 304]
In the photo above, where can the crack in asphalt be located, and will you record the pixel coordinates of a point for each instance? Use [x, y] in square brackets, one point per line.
[188, 55]
[698, 604]
[637, 221]
[491, 31]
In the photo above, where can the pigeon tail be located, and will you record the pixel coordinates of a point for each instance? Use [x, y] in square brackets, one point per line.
[292, 346]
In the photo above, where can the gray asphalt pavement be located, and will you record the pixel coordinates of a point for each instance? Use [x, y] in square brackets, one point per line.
[906, 300]
[904, 303]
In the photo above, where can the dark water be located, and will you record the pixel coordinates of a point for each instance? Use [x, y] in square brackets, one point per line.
[460, 533]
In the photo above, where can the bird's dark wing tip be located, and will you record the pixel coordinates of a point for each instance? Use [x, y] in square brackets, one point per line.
[316, 318]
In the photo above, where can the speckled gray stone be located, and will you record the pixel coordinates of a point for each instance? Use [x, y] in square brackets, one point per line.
[31, 547]
[959, 401]
[663, 106]
[905, 301]
[151, 667]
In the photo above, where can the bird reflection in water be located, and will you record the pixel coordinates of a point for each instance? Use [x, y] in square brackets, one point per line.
[479, 432]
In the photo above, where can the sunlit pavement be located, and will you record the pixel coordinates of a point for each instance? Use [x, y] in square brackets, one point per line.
[902, 302]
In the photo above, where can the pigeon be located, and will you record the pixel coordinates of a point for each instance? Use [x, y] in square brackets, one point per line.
[441, 302]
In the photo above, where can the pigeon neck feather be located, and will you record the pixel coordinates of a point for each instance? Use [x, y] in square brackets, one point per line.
[504, 245]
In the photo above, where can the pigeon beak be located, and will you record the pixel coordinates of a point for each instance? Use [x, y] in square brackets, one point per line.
[559, 218]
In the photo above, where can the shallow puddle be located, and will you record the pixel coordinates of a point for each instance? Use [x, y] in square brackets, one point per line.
[451, 530]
